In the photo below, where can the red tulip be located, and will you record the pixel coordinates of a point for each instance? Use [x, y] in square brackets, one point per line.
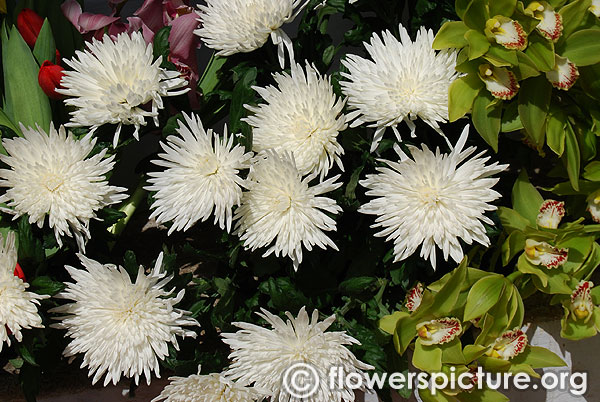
[29, 25]
[19, 272]
[49, 79]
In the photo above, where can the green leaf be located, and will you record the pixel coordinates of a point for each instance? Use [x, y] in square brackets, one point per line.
[483, 296]
[526, 199]
[45, 48]
[499, 56]
[242, 94]
[209, 80]
[462, 93]
[427, 358]
[534, 102]
[472, 352]
[541, 52]
[25, 99]
[592, 171]
[161, 44]
[538, 357]
[451, 35]
[572, 156]
[358, 285]
[406, 330]
[513, 245]
[502, 7]
[28, 356]
[486, 118]
[526, 67]
[555, 131]
[494, 365]
[512, 220]
[446, 299]
[573, 15]
[583, 47]
[388, 323]
[6, 122]
[45, 285]
[523, 265]
[478, 44]
[476, 15]
[510, 118]
[452, 352]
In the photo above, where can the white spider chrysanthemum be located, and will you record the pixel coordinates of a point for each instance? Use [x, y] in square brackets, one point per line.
[303, 116]
[274, 359]
[50, 174]
[201, 175]
[122, 328]
[242, 26]
[433, 200]
[18, 307]
[283, 208]
[112, 81]
[405, 80]
[208, 388]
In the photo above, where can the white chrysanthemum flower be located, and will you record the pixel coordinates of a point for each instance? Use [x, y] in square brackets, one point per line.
[242, 26]
[278, 359]
[50, 174]
[112, 81]
[18, 307]
[405, 80]
[433, 200]
[283, 208]
[201, 176]
[208, 388]
[303, 116]
[122, 328]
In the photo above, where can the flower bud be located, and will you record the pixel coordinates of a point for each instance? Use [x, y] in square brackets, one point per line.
[19, 272]
[29, 25]
[49, 79]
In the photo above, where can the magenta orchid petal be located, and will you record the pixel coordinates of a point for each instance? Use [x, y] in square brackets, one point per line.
[151, 12]
[72, 10]
[92, 22]
[182, 39]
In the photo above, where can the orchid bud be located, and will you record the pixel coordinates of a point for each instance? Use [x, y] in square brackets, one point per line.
[29, 24]
[49, 79]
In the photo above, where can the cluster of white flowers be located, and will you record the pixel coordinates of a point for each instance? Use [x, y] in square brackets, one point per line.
[275, 194]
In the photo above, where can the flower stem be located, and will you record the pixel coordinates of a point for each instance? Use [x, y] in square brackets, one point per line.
[129, 207]
[514, 276]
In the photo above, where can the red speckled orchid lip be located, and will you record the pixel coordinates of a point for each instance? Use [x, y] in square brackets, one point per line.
[508, 345]
[436, 332]
[501, 82]
[550, 25]
[551, 213]
[582, 305]
[414, 297]
[564, 74]
[507, 32]
[542, 253]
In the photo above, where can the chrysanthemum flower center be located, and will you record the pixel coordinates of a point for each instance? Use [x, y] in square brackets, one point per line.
[208, 165]
[430, 195]
[52, 182]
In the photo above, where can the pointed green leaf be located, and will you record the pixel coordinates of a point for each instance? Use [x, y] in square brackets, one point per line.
[538, 357]
[572, 157]
[45, 48]
[583, 47]
[478, 44]
[388, 323]
[483, 296]
[534, 102]
[25, 99]
[451, 35]
[555, 131]
[573, 15]
[486, 118]
[541, 52]
[461, 95]
[526, 199]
